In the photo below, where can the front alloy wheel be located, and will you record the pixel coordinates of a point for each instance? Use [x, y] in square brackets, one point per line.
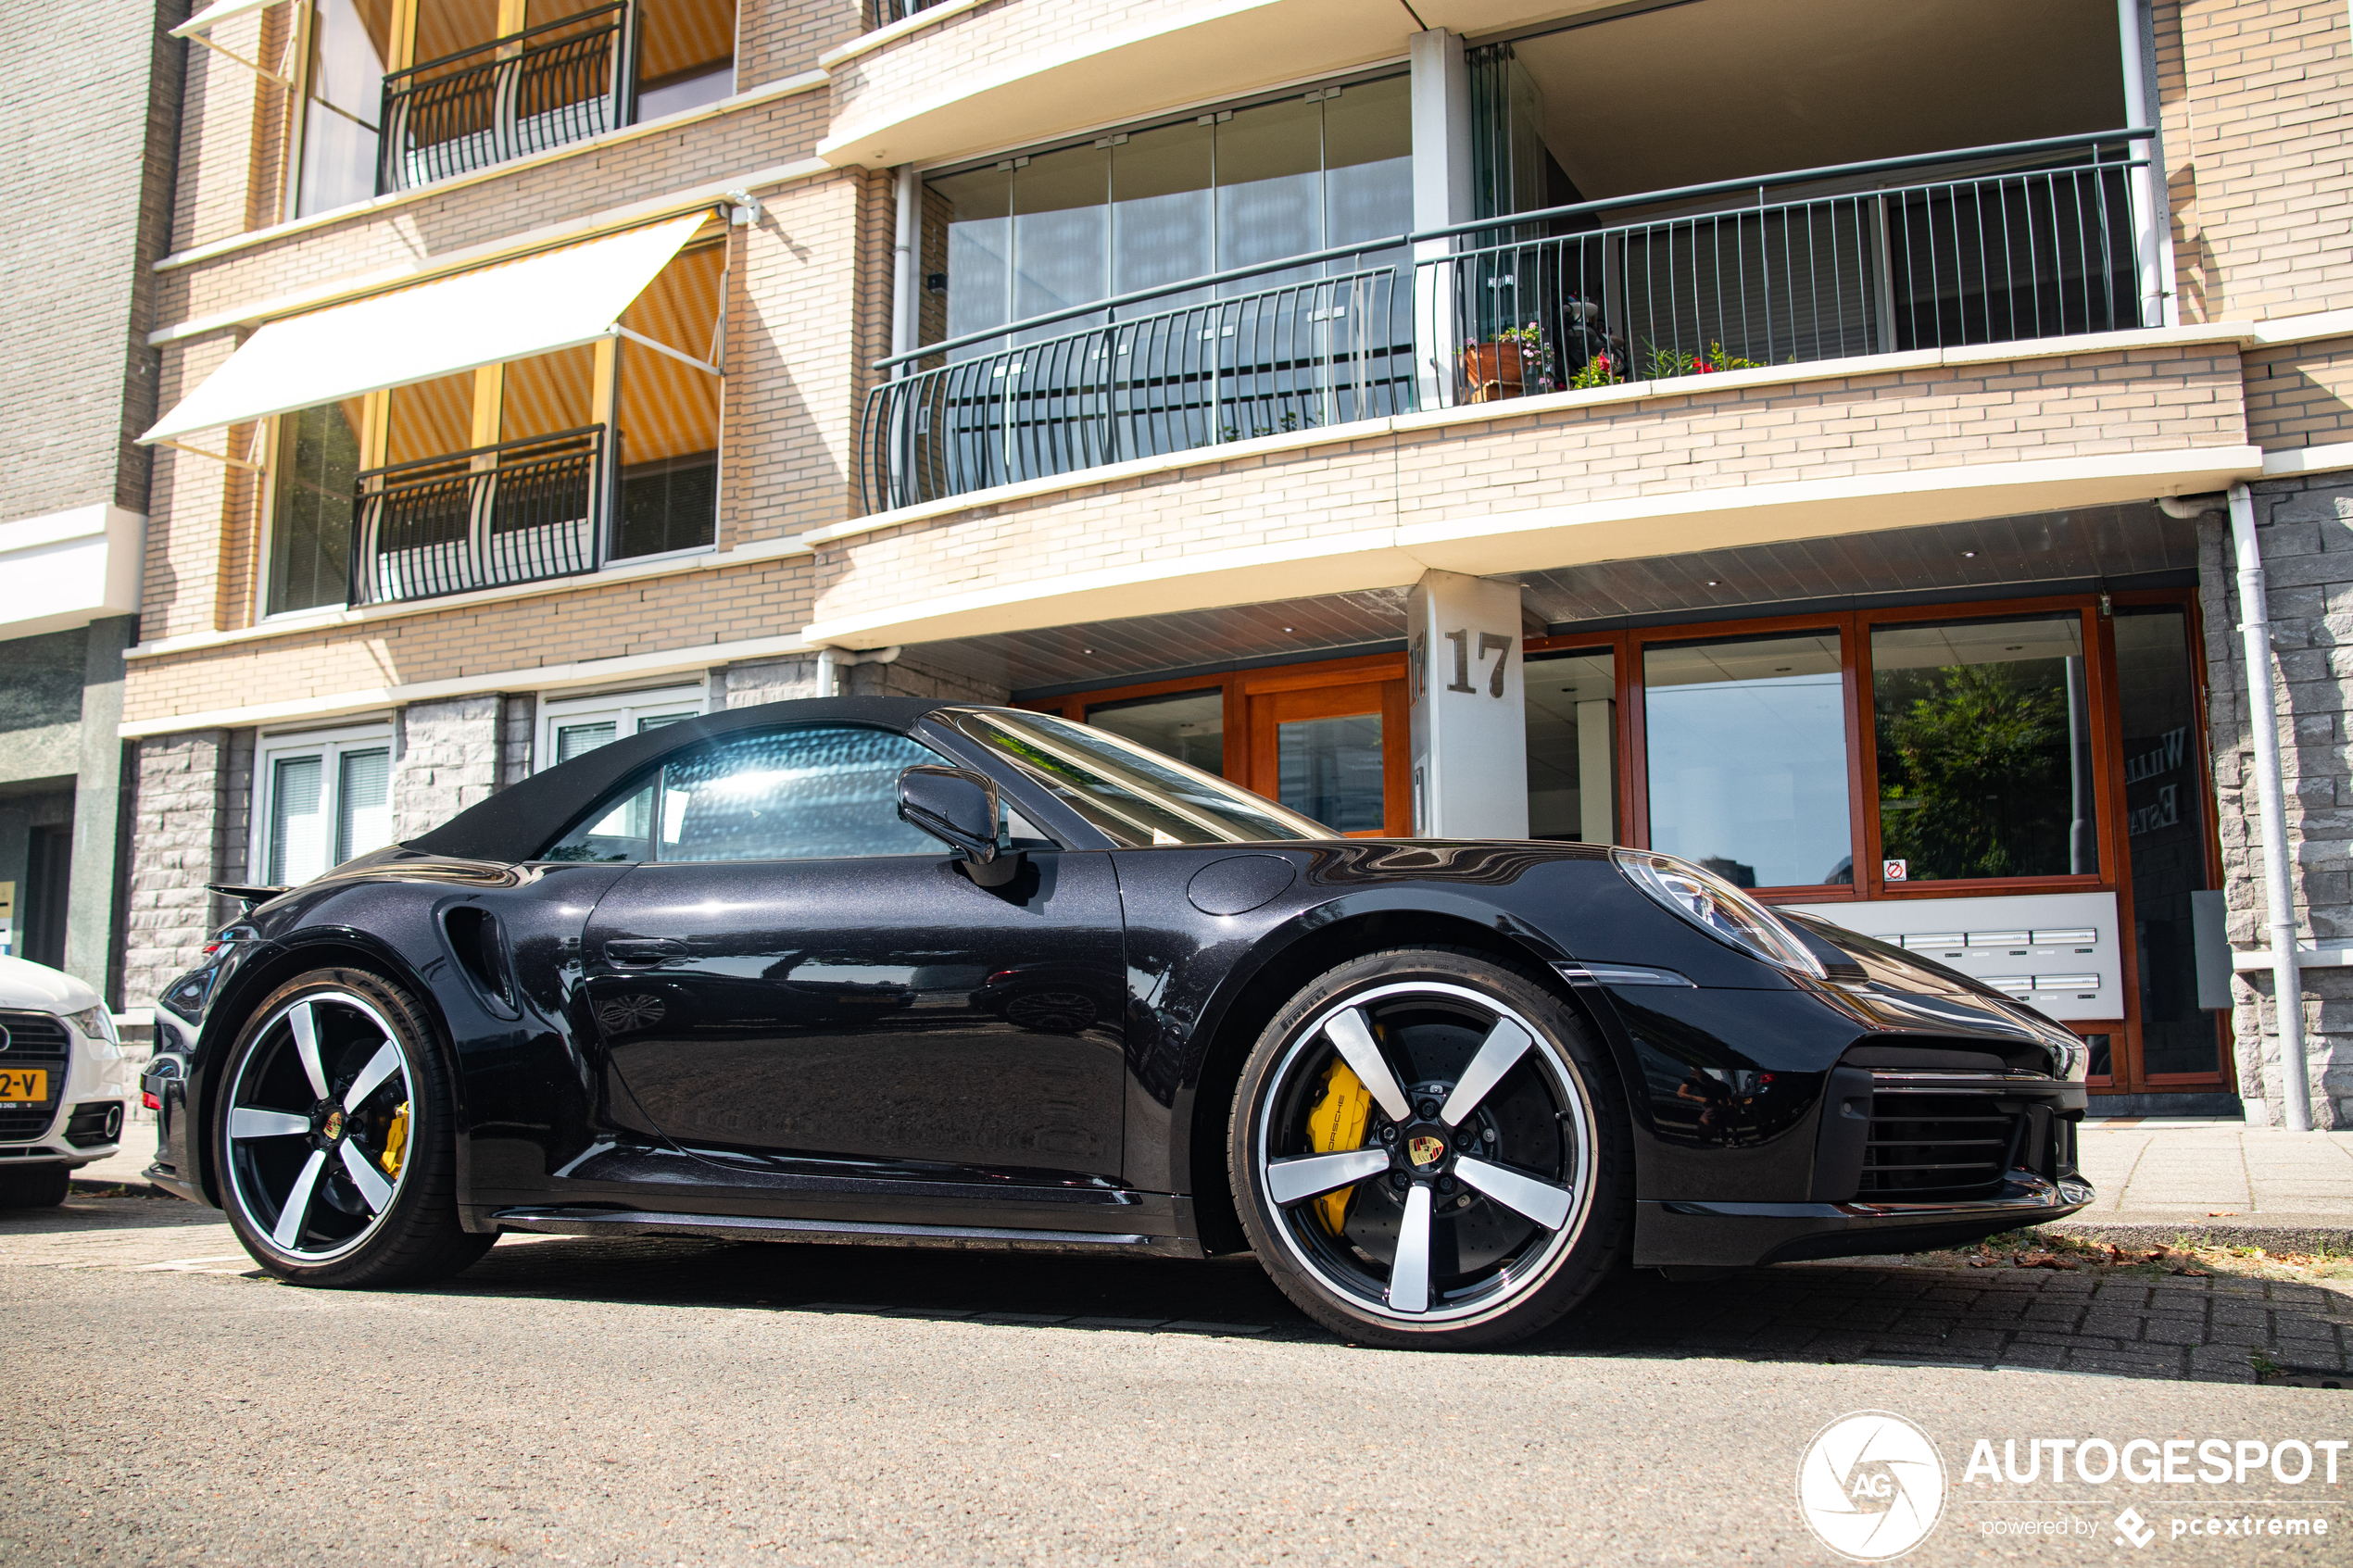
[1427, 1157]
[334, 1140]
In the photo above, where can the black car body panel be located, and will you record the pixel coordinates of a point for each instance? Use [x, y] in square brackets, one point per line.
[882, 1048]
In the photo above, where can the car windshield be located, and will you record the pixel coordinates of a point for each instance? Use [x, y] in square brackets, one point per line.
[1135, 794]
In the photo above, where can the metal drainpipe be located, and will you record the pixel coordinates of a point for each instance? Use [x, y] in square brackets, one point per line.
[902, 279]
[2287, 979]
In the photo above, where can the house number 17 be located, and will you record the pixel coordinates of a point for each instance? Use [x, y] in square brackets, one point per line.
[1489, 641]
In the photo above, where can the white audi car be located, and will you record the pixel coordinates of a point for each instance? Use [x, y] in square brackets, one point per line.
[64, 1085]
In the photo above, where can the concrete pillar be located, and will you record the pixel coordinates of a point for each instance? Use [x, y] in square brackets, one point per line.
[93, 952]
[1441, 112]
[1469, 708]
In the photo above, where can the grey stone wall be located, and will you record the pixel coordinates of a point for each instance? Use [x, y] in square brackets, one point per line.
[179, 843]
[447, 757]
[767, 680]
[517, 718]
[912, 675]
[2305, 530]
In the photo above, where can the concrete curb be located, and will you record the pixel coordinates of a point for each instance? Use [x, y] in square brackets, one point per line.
[2284, 1233]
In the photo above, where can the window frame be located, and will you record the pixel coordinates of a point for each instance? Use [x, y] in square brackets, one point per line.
[330, 746]
[626, 709]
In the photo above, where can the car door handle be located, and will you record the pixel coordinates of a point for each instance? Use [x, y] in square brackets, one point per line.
[638, 951]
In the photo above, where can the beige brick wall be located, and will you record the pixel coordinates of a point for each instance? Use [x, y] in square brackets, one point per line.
[798, 340]
[609, 620]
[982, 39]
[779, 38]
[2254, 98]
[2301, 396]
[600, 178]
[1932, 419]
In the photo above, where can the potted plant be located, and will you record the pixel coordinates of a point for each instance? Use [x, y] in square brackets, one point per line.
[1503, 366]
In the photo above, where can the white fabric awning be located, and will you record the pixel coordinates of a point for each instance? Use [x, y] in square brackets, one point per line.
[219, 11]
[509, 310]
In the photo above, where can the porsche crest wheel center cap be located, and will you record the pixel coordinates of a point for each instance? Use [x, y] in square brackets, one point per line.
[332, 1127]
[1426, 1150]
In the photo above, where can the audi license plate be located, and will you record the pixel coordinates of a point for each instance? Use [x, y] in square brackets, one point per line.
[23, 1086]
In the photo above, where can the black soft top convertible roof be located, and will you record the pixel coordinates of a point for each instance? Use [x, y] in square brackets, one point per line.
[518, 821]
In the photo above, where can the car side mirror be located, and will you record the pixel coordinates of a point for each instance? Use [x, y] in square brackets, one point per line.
[959, 807]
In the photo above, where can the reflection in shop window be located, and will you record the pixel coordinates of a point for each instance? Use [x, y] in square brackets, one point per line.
[1746, 744]
[1190, 727]
[2165, 832]
[1984, 737]
[1572, 753]
[1331, 770]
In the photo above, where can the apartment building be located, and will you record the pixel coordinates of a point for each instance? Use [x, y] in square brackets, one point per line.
[1793, 434]
[91, 101]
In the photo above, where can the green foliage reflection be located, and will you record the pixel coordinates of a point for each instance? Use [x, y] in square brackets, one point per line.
[1973, 770]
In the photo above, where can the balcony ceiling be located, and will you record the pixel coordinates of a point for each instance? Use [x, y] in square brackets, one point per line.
[1990, 557]
[1150, 646]
[1724, 89]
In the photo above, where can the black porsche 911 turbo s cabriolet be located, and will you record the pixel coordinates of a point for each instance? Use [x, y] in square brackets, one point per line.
[889, 970]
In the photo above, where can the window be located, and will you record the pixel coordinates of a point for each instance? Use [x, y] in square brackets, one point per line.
[821, 792]
[1130, 791]
[2165, 833]
[1984, 734]
[1190, 727]
[1747, 758]
[579, 726]
[318, 468]
[506, 473]
[321, 799]
[1032, 234]
[1572, 747]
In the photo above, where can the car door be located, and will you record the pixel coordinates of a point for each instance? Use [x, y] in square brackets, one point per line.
[790, 971]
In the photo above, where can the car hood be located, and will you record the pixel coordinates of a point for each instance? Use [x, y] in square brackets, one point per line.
[24, 983]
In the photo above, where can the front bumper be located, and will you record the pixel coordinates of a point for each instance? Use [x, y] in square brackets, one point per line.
[1904, 1161]
[1726, 1234]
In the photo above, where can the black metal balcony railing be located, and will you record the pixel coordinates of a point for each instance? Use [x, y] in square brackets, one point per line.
[1302, 355]
[889, 11]
[544, 87]
[2000, 243]
[1989, 257]
[518, 512]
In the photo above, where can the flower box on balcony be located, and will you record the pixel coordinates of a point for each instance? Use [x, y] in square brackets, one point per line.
[1494, 370]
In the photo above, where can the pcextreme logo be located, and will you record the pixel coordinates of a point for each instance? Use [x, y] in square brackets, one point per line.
[1870, 1486]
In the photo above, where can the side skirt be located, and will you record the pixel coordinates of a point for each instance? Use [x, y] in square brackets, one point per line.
[581, 1221]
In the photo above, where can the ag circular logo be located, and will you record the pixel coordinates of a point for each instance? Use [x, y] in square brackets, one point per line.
[1872, 1486]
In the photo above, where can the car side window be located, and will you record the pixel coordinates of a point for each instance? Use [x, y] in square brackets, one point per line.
[819, 792]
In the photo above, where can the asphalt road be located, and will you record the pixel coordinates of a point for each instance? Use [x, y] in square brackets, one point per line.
[604, 1402]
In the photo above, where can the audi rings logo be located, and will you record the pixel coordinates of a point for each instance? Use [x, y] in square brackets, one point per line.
[1872, 1486]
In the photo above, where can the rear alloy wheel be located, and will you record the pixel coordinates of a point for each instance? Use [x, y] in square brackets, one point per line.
[333, 1142]
[1431, 1151]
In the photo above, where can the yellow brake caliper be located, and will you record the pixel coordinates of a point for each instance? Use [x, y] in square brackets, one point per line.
[397, 1141]
[1337, 1123]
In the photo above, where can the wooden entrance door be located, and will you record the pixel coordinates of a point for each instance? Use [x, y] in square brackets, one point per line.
[1334, 744]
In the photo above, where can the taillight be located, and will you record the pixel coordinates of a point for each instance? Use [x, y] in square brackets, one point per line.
[149, 1101]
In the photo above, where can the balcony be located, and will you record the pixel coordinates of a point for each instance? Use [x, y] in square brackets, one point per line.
[522, 511]
[541, 88]
[1987, 244]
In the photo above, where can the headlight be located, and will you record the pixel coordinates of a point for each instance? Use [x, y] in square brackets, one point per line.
[96, 1023]
[1718, 907]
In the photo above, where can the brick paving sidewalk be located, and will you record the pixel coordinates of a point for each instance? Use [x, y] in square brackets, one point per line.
[2166, 1327]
